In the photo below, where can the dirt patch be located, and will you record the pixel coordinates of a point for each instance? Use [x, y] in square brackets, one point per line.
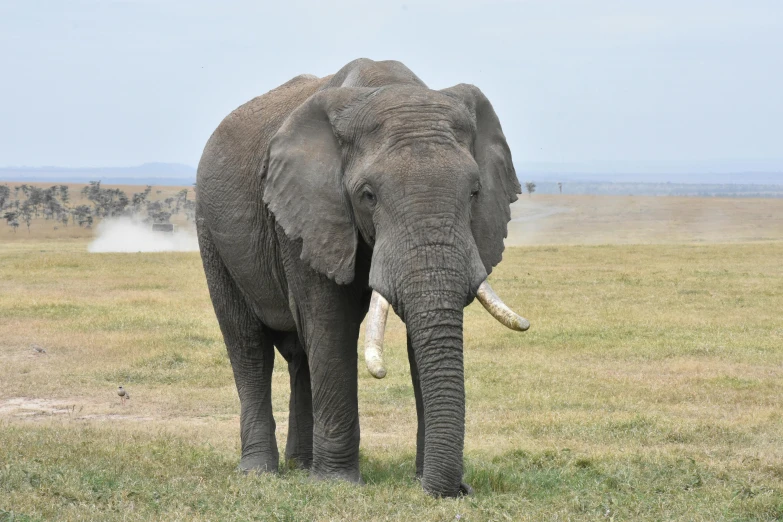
[114, 416]
[23, 353]
[25, 406]
[31, 408]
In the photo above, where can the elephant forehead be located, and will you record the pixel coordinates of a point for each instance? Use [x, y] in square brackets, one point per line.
[411, 113]
[422, 165]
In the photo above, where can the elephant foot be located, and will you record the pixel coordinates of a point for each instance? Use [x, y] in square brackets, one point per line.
[347, 476]
[465, 490]
[258, 464]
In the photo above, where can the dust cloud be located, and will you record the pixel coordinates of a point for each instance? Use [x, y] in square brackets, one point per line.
[612, 220]
[128, 235]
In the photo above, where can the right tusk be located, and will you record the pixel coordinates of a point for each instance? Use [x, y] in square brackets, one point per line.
[499, 310]
[373, 336]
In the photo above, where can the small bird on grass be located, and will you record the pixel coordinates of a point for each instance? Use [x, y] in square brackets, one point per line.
[38, 349]
[124, 395]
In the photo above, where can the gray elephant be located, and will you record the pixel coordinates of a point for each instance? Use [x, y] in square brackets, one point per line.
[328, 197]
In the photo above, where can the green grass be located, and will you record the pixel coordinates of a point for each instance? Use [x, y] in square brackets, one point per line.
[648, 388]
[109, 473]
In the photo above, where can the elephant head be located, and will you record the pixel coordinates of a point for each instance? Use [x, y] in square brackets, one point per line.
[425, 179]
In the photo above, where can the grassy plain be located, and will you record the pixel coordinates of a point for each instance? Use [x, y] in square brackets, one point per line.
[650, 387]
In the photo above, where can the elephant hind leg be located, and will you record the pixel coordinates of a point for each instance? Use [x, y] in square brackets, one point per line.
[251, 351]
[299, 446]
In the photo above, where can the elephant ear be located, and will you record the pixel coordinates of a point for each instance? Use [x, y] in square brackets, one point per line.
[499, 184]
[303, 185]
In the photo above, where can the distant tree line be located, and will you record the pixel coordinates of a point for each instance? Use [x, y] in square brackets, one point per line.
[25, 202]
[657, 189]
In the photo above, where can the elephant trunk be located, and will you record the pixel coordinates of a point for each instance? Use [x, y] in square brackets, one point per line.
[432, 287]
[435, 328]
[428, 279]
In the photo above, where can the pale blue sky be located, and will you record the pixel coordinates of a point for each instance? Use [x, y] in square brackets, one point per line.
[100, 83]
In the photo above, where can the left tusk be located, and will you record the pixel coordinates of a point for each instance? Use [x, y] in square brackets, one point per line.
[373, 335]
[499, 310]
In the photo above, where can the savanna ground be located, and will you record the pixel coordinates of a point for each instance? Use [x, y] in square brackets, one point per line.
[649, 387]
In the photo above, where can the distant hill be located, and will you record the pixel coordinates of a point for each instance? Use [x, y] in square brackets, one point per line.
[655, 178]
[146, 174]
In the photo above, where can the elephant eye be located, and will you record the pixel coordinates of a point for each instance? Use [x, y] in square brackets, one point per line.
[369, 196]
[475, 192]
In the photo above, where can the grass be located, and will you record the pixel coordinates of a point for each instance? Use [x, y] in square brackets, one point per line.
[648, 388]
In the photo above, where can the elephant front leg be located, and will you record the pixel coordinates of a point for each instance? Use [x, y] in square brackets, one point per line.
[328, 317]
[336, 412]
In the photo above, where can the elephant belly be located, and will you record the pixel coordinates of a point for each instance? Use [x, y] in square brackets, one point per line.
[254, 268]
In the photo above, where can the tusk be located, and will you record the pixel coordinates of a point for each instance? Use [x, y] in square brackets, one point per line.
[373, 336]
[499, 310]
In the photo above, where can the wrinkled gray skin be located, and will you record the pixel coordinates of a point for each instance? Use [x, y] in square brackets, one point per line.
[316, 193]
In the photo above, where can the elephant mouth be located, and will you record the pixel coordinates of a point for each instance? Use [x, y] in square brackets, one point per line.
[379, 311]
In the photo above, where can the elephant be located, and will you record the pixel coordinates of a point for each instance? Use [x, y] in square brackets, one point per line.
[330, 199]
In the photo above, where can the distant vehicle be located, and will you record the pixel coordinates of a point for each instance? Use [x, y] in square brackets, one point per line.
[163, 227]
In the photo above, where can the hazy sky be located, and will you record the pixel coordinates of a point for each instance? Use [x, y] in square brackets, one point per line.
[104, 83]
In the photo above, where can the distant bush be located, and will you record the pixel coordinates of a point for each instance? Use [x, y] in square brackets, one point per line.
[661, 189]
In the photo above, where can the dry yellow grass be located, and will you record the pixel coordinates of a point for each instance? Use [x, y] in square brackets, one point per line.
[650, 386]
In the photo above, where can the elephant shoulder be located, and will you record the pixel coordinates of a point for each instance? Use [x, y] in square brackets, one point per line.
[227, 174]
